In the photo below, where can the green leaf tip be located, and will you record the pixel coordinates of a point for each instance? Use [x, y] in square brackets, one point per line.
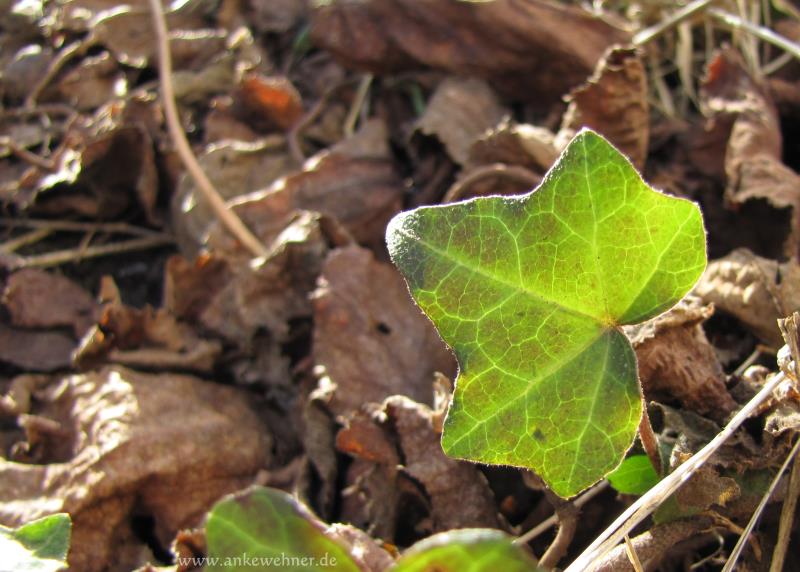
[529, 292]
[466, 550]
[38, 546]
[263, 528]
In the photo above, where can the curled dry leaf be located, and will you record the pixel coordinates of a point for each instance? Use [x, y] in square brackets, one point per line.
[753, 157]
[36, 298]
[755, 290]
[235, 168]
[613, 102]
[92, 83]
[460, 111]
[369, 337]
[676, 360]
[147, 338]
[224, 294]
[355, 183]
[100, 175]
[400, 440]
[525, 145]
[163, 446]
[534, 51]
[35, 351]
[269, 102]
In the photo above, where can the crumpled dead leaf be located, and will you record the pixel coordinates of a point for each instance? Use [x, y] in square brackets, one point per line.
[529, 146]
[100, 173]
[755, 290]
[534, 51]
[35, 351]
[369, 337]
[677, 361]
[235, 168]
[145, 338]
[400, 440]
[92, 83]
[460, 111]
[355, 183]
[613, 102]
[161, 446]
[224, 294]
[36, 298]
[753, 157]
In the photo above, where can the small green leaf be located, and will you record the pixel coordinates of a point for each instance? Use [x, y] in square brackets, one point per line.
[635, 476]
[39, 546]
[467, 550]
[530, 291]
[263, 528]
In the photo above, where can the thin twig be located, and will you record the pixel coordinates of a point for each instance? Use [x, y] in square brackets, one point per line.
[632, 556]
[357, 105]
[59, 257]
[567, 514]
[27, 156]
[551, 521]
[76, 226]
[787, 518]
[649, 440]
[76, 48]
[649, 34]
[293, 137]
[653, 498]
[228, 218]
[513, 172]
[759, 32]
[737, 550]
[31, 237]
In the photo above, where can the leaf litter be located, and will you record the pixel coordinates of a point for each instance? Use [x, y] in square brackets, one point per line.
[135, 406]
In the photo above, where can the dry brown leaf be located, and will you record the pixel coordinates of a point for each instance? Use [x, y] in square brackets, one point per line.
[613, 102]
[449, 483]
[753, 158]
[399, 440]
[533, 51]
[91, 84]
[160, 446]
[755, 290]
[355, 183]
[676, 360]
[146, 338]
[35, 351]
[235, 168]
[460, 111]
[99, 175]
[245, 299]
[510, 143]
[36, 298]
[369, 337]
[271, 101]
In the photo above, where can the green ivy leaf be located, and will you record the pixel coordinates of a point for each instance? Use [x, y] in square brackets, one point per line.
[39, 546]
[635, 476]
[530, 292]
[467, 550]
[263, 528]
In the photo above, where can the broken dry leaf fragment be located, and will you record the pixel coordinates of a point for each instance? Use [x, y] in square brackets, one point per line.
[530, 292]
[368, 335]
[533, 51]
[163, 446]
